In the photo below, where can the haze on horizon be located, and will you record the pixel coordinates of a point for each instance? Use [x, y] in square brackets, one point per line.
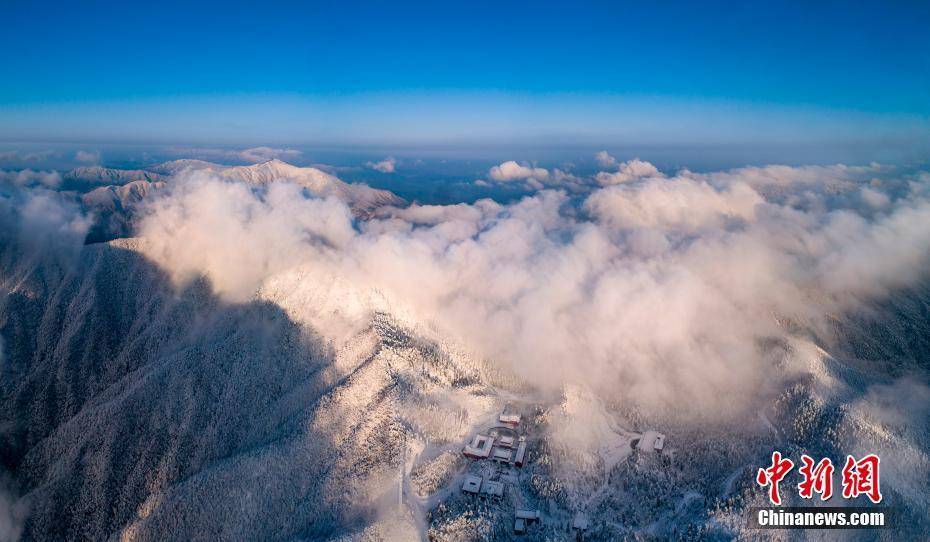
[494, 81]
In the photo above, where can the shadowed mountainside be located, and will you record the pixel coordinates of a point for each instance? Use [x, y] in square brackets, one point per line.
[132, 408]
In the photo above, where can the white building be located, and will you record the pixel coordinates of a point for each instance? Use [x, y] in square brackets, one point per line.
[659, 442]
[651, 441]
[480, 447]
[510, 420]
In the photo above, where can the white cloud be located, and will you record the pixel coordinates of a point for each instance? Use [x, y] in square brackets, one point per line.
[13, 512]
[628, 171]
[206, 222]
[533, 178]
[661, 296]
[512, 171]
[46, 213]
[87, 157]
[874, 198]
[44, 221]
[605, 160]
[29, 177]
[263, 154]
[251, 155]
[680, 204]
[387, 165]
[20, 156]
[899, 408]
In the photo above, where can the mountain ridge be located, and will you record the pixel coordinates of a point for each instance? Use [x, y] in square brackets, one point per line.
[115, 204]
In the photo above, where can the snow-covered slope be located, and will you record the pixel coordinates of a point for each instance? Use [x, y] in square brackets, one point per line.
[97, 175]
[145, 413]
[116, 197]
[114, 206]
[359, 197]
[133, 410]
[174, 166]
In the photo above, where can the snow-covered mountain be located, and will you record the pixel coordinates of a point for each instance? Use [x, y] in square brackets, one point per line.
[117, 197]
[360, 197]
[131, 410]
[114, 207]
[152, 388]
[97, 175]
[174, 166]
[115, 204]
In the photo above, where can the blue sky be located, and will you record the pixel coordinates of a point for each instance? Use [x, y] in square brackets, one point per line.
[444, 73]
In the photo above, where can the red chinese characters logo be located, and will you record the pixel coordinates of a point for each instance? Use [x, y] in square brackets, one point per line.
[817, 478]
[859, 477]
[773, 475]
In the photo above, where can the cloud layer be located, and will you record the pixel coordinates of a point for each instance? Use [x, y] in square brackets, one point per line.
[87, 157]
[388, 165]
[45, 222]
[263, 154]
[660, 289]
[30, 177]
[627, 171]
[512, 171]
[252, 155]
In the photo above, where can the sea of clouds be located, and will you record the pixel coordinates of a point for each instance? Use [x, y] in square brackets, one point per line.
[660, 288]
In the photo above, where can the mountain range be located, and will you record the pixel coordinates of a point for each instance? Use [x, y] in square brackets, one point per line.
[137, 406]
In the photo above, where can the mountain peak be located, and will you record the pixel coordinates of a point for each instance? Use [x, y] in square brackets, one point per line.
[276, 164]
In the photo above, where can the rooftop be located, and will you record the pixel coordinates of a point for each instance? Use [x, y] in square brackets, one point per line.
[651, 440]
[521, 453]
[501, 454]
[480, 447]
[493, 489]
[472, 484]
[529, 515]
[509, 418]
